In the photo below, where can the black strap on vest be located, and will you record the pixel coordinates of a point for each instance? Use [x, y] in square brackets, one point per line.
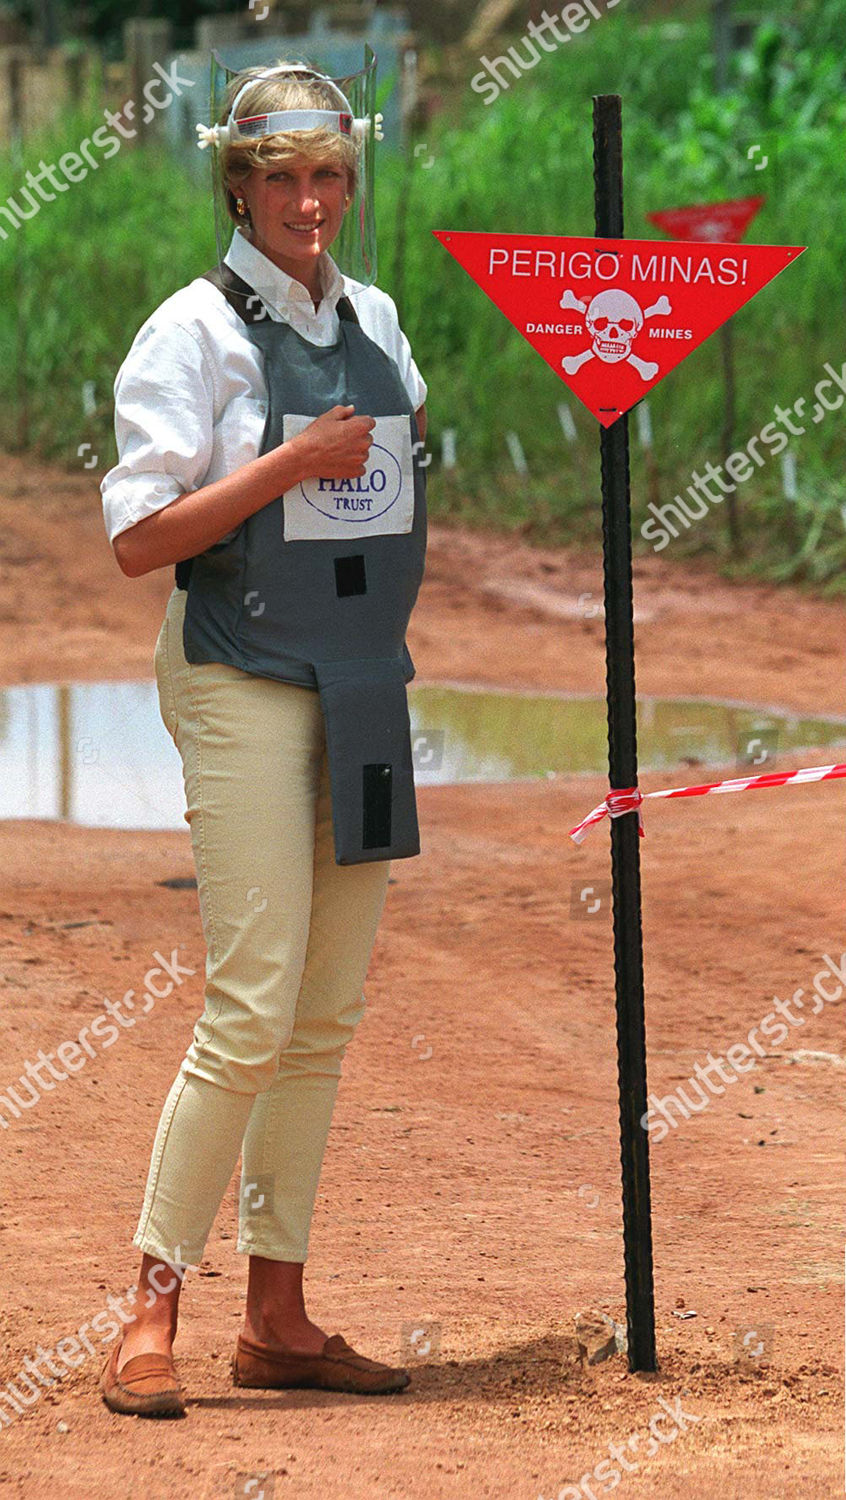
[247, 303]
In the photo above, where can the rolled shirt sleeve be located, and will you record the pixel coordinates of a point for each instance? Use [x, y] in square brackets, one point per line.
[164, 424]
[191, 402]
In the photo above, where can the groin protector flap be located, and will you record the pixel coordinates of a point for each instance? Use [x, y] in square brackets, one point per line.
[368, 738]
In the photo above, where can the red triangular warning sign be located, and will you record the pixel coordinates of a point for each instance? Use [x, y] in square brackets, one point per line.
[613, 317]
[728, 220]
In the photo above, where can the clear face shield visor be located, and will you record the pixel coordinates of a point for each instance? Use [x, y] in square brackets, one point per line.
[351, 115]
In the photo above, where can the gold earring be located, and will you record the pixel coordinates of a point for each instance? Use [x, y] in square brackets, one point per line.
[240, 206]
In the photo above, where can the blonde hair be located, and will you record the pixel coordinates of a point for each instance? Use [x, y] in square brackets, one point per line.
[297, 91]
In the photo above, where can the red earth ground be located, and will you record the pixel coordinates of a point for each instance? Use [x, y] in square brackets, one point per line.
[475, 1139]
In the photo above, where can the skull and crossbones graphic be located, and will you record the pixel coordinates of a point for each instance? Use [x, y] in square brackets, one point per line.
[613, 318]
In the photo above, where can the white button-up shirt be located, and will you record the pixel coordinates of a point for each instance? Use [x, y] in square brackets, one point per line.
[190, 396]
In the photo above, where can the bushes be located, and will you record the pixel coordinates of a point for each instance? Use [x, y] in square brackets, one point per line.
[683, 144]
[93, 264]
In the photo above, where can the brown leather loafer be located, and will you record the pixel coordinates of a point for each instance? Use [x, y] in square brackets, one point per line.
[147, 1386]
[338, 1367]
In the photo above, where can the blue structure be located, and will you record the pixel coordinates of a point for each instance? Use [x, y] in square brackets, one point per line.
[338, 53]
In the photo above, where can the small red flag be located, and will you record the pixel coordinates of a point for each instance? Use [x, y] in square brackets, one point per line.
[709, 221]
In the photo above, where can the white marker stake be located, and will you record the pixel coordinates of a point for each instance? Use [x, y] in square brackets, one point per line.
[89, 400]
[568, 426]
[644, 425]
[788, 475]
[518, 457]
[448, 448]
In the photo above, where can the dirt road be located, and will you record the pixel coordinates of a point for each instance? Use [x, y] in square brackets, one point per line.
[472, 1174]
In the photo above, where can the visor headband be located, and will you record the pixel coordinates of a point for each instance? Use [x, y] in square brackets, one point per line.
[250, 126]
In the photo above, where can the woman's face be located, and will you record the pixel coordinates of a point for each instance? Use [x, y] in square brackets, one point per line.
[296, 210]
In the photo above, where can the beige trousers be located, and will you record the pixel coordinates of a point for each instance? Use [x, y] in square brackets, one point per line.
[288, 934]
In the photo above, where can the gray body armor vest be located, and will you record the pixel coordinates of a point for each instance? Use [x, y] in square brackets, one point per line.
[327, 614]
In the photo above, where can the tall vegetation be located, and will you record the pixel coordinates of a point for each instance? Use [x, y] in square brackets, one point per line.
[87, 269]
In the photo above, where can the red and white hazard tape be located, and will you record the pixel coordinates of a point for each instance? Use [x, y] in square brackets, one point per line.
[618, 803]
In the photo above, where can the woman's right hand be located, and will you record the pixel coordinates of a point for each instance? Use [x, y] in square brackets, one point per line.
[335, 445]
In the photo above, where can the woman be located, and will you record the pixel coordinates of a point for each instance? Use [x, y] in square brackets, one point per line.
[279, 665]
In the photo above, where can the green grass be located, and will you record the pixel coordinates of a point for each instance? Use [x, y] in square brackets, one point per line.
[82, 276]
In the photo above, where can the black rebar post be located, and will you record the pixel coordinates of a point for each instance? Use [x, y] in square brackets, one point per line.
[622, 765]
